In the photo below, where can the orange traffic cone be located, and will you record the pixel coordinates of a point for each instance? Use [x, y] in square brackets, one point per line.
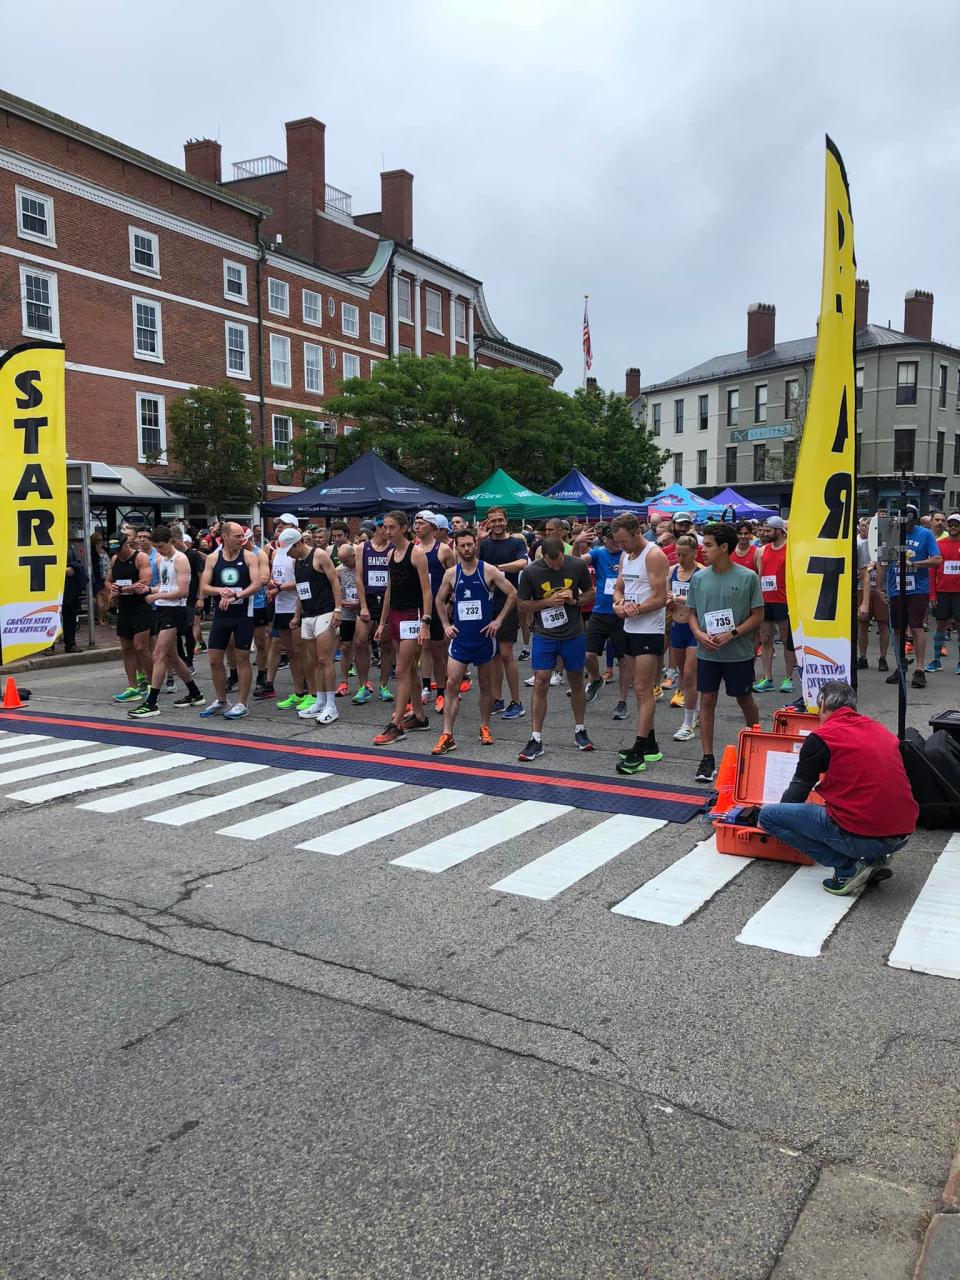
[11, 698]
[726, 780]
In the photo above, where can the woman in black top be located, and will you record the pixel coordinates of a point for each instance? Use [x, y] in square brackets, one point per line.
[406, 619]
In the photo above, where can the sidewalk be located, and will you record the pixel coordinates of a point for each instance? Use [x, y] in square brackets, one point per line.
[105, 649]
[940, 1255]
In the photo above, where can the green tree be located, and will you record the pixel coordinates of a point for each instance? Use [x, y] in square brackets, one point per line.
[211, 446]
[627, 459]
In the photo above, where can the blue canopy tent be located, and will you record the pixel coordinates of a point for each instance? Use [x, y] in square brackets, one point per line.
[676, 498]
[745, 509]
[599, 502]
[368, 487]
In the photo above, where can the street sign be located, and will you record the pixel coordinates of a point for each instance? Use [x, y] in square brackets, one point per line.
[777, 432]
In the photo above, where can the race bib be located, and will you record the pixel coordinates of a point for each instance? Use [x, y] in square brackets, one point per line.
[951, 567]
[911, 582]
[681, 590]
[351, 597]
[303, 590]
[377, 578]
[410, 630]
[553, 618]
[608, 586]
[470, 610]
[718, 620]
[768, 582]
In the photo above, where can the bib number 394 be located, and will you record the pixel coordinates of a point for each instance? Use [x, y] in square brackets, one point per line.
[718, 621]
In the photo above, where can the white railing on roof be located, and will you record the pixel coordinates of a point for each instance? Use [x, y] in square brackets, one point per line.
[338, 201]
[257, 167]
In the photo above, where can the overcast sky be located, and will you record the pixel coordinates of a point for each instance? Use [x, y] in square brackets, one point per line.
[665, 159]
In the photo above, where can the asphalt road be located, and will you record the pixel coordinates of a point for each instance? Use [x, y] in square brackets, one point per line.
[233, 1057]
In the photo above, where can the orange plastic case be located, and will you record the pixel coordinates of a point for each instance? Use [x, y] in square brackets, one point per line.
[802, 722]
[752, 842]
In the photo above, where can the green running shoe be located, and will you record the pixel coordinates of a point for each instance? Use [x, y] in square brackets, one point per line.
[787, 686]
[143, 711]
[630, 763]
[308, 700]
[362, 695]
[385, 694]
[763, 686]
[129, 694]
[294, 700]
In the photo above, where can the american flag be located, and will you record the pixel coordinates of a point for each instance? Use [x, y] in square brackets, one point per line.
[587, 349]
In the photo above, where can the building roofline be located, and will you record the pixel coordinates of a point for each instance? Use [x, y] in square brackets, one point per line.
[521, 354]
[70, 128]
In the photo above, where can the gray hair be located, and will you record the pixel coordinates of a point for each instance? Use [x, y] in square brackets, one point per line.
[834, 694]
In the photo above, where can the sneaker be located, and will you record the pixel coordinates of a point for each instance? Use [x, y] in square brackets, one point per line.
[293, 700]
[385, 694]
[352, 673]
[530, 681]
[593, 688]
[935, 665]
[630, 763]
[284, 661]
[557, 678]
[677, 699]
[620, 711]
[892, 678]
[532, 751]
[411, 722]
[170, 685]
[392, 733]
[862, 664]
[214, 708]
[236, 712]
[232, 682]
[192, 671]
[486, 737]
[307, 700]
[362, 696]
[583, 741]
[514, 711]
[651, 752]
[265, 691]
[497, 707]
[657, 692]
[446, 742]
[706, 770]
[919, 680]
[310, 710]
[438, 704]
[466, 684]
[786, 685]
[342, 689]
[328, 715]
[763, 686]
[883, 665]
[189, 700]
[957, 669]
[686, 733]
[202, 646]
[143, 712]
[130, 694]
[838, 885]
[524, 654]
[669, 678]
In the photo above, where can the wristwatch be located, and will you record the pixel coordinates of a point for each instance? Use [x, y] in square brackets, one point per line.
[733, 631]
[426, 618]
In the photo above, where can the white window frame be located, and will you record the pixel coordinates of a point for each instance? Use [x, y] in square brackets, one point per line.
[345, 309]
[313, 346]
[352, 356]
[155, 245]
[235, 297]
[52, 334]
[312, 293]
[460, 320]
[274, 418]
[404, 295]
[23, 232]
[430, 328]
[373, 365]
[280, 338]
[381, 327]
[162, 424]
[156, 357]
[233, 373]
[281, 284]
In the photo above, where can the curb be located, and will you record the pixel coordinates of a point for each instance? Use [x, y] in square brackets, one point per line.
[43, 662]
[940, 1254]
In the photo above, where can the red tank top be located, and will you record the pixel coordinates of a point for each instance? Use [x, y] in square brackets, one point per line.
[773, 574]
[866, 790]
[746, 561]
[948, 574]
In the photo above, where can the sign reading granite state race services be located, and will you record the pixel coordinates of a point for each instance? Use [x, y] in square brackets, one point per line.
[822, 518]
[33, 497]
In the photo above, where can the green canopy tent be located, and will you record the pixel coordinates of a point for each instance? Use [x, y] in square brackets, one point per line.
[520, 503]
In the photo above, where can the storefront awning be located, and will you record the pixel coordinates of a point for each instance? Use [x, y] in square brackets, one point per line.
[127, 485]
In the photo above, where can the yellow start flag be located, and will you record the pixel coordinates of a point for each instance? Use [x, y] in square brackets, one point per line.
[33, 506]
[820, 542]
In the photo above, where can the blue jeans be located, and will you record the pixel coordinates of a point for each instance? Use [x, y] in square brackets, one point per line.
[809, 828]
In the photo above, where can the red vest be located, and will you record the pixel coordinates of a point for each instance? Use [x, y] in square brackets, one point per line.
[773, 565]
[865, 789]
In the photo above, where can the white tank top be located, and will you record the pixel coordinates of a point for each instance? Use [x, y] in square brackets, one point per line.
[283, 575]
[637, 590]
[167, 581]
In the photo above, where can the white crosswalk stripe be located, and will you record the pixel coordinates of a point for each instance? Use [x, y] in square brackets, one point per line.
[799, 918]
[388, 823]
[22, 739]
[49, 749]
[208, 806]
[684, 887]
[295, 815]
[929, 941]
[174, 786]
[450, 850]
[85, 760]
[562, 867]
[157, 763]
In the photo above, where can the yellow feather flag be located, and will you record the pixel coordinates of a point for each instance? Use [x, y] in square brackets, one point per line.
[33, 497]
[820, 565]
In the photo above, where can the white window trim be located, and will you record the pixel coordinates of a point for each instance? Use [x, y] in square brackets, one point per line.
[303, 304]
[22, 232]
[162, 402]
[235, 297]
[54, 334]
[134, 265]
[232, 373]
[400, 316]
[313, 391]
[154, 358]
[273, 436]
[276, 311]
[279, 337]
[350, 333]
[375, 315]
[349, 355]
[426, 310]
[459, 305]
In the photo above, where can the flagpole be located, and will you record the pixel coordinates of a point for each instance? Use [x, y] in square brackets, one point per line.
[583, 380]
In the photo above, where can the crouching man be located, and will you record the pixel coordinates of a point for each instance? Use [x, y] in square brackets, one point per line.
[869, 811]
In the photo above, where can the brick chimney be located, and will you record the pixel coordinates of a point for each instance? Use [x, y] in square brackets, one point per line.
[591, 384]
[761, 326]
[306, 184]
[396, 206]
[633, 384]
[918, 314]
[201, 159]
[862, 305]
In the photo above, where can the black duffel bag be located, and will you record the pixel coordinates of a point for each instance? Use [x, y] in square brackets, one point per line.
[933, 768]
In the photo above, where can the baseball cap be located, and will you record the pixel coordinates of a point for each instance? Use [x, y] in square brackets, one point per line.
[369, 525]
[289, 538]
[288, 519]
[954, 517]
[774, 522]
[682, 515]
[247, 534]
[187, 540]
[443, 523]
[912, 507]
[431, 518]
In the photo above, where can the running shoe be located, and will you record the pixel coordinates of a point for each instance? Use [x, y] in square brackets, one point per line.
[524, 654]
[530, 681]
[293, 700]
[362, 696]
[883, 665]
[935, 665]
[657, 692]
[284, 661]
[498, 706]
[944, 651]
[957, 669]
[446, 742]
[630, 763]
[130, 694]
[328, 715]
[392, 733]
[514, 711]
[685, 733]
[862, 664]
[786, 685]
[919, 680]
[232, 682]
[189, 700]
[143, 712]
[214, 708]
[486, 737]
[677, 699]
[170, 685]
[307, 700]
[593, 688]
[438, 704]
[342, 689]
[310, 710]
[669, 677]
[620, 711]
[763, 686]
[264, 692]
[557, 678]
[582, 740]
[466, 684]
[651, 752]
[532, 751]
[202, 646]
[236, 712]
[352, 673]
[410, 723]
[385, 694]
[706, 769]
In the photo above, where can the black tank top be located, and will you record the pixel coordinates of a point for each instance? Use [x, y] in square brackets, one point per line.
[233, 573]
[313, 588]
[126, 572]
[405, 590]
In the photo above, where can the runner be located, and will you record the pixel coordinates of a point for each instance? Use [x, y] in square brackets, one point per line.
[350, 599]
[640, 599]
[511, 556]
[231, 576]
[262, 609]
[746, 551]
[551, 590]
[187, 642]
[371, 589]
[605, 626]
[474, 588]
[923, 554]
[772, 568]
[406, 618]
[174, 621]
[128, 582]
[725, 606]
[440, 558]
[282, 590]
[872, 605]
[316, 620]
[947, 608]
[682, 642]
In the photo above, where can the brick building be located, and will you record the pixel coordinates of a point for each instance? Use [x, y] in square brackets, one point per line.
[158, 279]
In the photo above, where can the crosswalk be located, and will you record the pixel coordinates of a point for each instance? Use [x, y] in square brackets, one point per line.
[336, 816]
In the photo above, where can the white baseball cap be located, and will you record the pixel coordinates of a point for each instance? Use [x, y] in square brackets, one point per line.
[289, 538]
[288, 519]
[774, 522]
[430, 517]
[954, 517]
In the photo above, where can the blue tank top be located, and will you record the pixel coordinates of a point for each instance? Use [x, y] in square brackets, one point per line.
[473, 603]
[260, 597]
[435, 568]
[606, 567]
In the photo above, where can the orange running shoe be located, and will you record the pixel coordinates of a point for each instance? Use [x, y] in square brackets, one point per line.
[446, 742]
[438, 704]
[342, 689]
[466, 684]
[486, 737]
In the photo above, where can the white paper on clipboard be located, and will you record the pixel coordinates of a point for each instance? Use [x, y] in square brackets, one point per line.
[778, 773]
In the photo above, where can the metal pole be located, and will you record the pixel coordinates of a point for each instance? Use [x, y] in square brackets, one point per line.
[85, 516]
[902, 630]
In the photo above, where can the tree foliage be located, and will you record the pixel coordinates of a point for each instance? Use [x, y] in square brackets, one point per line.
[211, 446]
[628, 459]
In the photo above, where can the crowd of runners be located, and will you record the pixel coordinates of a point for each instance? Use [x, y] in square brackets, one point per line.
[412, 614]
